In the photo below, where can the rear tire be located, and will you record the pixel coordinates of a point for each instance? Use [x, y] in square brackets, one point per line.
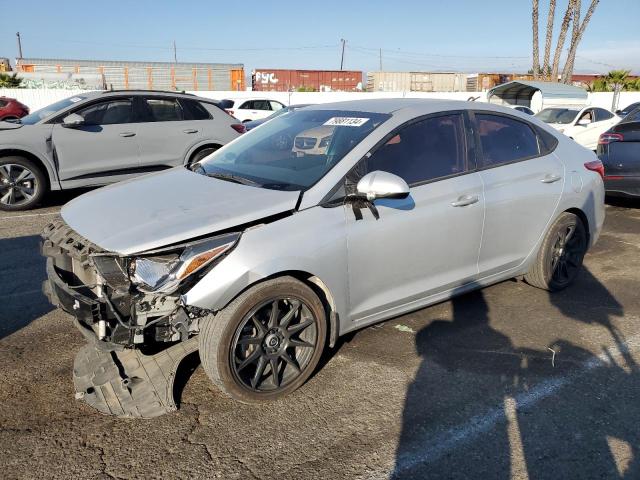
[243, 345]
[561, 254]
[199, 155]
[22, 184]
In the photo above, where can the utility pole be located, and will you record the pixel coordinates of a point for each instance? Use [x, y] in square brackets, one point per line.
[342, 57]
[380, 59]
[19, 45]
[175, 53]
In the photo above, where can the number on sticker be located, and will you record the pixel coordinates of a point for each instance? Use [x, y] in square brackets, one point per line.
[347, 121]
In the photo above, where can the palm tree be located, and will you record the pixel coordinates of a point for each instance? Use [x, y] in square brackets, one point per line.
[564, 28]
[578, 31]
[9, 81]
[547, 43]
[536, 45]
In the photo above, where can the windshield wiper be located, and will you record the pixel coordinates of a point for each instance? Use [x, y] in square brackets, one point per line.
[233, 178]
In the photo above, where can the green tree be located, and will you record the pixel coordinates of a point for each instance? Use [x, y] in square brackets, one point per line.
[10, 81]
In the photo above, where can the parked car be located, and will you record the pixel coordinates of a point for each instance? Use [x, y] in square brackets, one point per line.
[256, 123]
[11, 109]
[258, 258]
[102, 137]
[582, 125]
[619, 151]
[628, 109]
[523, 109]
[247, 110]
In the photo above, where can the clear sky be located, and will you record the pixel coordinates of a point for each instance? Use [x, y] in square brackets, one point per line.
[459, 35]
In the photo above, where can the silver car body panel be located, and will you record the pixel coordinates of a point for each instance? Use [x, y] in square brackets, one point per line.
[168, 207]
[420, 251]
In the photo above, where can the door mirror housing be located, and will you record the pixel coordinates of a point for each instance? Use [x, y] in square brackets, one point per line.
[584, 122]
[381, 184]
[73, 120]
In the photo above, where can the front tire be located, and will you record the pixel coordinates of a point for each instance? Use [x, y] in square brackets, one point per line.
[561, 254]
[22, 184]
[265, 343]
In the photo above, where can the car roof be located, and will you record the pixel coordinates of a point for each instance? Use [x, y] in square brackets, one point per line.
[420, 106]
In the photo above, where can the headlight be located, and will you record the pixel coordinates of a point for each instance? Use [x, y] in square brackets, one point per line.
[166, 270]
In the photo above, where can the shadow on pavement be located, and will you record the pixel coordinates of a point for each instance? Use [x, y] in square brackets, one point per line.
[623, 202]
[22, 271]
[60, 197]
[537, 419]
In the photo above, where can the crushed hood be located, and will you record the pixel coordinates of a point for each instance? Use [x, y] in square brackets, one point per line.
[169, 207]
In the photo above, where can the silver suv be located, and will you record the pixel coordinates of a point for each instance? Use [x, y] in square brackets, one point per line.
[102, 137]
[264, 253]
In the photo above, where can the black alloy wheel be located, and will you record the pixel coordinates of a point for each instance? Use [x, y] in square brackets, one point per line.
[561, 253]
[273, 344]
[266, 342]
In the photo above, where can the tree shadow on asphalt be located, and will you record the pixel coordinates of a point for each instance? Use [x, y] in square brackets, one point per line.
[542, 414]
[22, 271]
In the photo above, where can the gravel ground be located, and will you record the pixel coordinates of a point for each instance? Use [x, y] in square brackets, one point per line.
[507, 382]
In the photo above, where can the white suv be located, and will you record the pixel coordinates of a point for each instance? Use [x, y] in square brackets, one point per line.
[246, 110]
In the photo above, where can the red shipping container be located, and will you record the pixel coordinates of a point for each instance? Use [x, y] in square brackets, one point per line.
[279, 80]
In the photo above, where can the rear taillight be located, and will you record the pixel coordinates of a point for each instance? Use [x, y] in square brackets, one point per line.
[607, 138]
[595, 166]
[239, 127]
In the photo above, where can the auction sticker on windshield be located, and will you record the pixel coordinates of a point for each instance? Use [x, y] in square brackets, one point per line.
[346, 121]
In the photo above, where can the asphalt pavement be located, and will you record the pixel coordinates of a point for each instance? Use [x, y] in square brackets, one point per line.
[509, 382]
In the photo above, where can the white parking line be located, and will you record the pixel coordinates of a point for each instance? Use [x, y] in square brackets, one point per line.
[32, 215]
[436, 447]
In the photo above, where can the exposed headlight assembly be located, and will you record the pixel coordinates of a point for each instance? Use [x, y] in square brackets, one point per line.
[163, 271]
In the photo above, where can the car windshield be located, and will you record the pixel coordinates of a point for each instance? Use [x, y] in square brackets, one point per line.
[49, 110]
[293, 151]
[557, 115]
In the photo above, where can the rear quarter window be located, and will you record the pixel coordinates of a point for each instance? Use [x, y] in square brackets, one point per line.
[505, 139]
[194, 110]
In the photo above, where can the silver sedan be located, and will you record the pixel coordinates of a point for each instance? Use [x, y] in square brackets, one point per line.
[318, 223]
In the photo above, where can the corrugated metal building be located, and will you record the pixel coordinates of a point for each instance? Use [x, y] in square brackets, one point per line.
[537, 95]
[146, 75]
[416, 82]
[282, 80]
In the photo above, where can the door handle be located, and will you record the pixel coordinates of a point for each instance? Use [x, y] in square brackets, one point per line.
[550, 178]
[128, 134]
[190, 130]
[465, 200]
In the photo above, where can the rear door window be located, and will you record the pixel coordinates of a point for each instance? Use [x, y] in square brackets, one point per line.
[261, 105]
[423, 151]
[165, 109]
[112, 112]
[602, 114]
[275, 106]
[504, 139]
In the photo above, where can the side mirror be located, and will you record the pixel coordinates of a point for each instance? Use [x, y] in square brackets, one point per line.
[73, 120]
[618, 112]
[380, 184]
[584, 122]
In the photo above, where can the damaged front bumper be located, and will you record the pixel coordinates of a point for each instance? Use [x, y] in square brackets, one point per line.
[113, 374]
